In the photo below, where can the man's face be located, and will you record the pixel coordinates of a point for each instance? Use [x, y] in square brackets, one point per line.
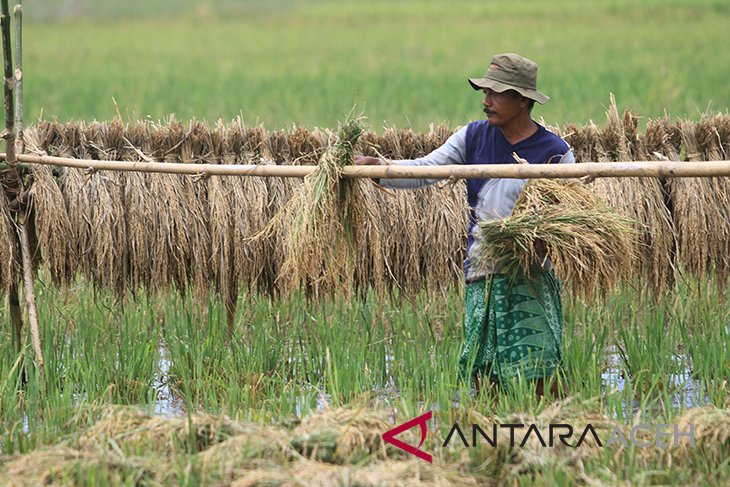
[502, 108]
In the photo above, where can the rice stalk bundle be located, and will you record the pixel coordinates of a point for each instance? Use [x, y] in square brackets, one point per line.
[238, 210]
[640, 200]
[305, 147]
[139, 216]
[249, 210]
[591, 246]
[442, 248]
[363, 216]
[48, 215]
[90, 198]
[709, 140]
[108, 238]
[443, 210]
[583, 140]
[9, 253]
[75, 193]
[318, 236]
[700, 208]
[279, 191]
[711, 434]
[51, 223]
[658, 243]
[276, 146]
[204, 146]
[401, 214]
[416, 473]
[341, 435]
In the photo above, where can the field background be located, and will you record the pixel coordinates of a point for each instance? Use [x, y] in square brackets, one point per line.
[403, 63]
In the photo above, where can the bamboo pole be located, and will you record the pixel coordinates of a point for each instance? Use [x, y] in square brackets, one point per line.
[8, 176]
[657, 169]
[18, 74]
[30, 297]
[16, 316]
[12, 183]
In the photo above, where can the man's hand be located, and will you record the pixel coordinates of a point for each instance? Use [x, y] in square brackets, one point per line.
[366, 161]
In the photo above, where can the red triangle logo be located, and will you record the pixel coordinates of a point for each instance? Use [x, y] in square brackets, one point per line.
[389, 436]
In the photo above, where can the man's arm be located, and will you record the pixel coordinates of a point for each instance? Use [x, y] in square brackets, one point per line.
[451, 152]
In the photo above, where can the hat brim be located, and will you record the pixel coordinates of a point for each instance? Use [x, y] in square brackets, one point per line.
[499, 87]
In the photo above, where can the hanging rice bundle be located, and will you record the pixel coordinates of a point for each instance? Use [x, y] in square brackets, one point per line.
[591, 246]
[700, 205]
[401, 214]
[9, 255]
[639, 199]
[445, 211]
[320, 224]
[132, 231]
[48, 214]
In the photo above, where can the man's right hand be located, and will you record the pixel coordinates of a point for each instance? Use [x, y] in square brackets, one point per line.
[366, 161]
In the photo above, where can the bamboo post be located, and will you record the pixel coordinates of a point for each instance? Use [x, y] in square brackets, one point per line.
[12, 183]
[19, 124]
[16, 317]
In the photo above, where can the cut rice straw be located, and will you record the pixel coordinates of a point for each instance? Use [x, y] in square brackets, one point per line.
[320, 226]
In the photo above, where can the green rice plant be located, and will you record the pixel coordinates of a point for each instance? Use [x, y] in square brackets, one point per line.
[703, 318]
[399, 356]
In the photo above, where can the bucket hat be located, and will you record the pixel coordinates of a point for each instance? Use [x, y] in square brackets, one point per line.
[511, 72]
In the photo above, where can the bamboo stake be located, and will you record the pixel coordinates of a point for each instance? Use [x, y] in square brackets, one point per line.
[30, 296]
[656, 169]
[12, 183]
[19, 124]
[10, 179]
[16, 317]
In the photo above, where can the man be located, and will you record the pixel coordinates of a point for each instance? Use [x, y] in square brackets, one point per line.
[513, 327]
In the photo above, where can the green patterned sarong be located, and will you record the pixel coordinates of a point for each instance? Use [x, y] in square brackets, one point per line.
[514, 328]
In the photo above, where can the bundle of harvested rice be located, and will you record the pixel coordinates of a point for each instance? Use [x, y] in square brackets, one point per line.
[251, 448]
[591, 246]
[9, 255]
[305, 472]
[133, 430]
[322, 220]
[62, 466]
[641, 200]
[342, 436]
[711, 427]
[701, 205]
